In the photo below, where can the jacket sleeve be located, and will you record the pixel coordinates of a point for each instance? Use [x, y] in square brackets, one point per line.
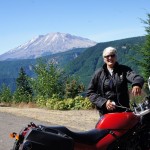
[134, 78]
[94, 93]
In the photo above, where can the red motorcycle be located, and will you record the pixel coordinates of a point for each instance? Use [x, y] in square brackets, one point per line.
[129, 130]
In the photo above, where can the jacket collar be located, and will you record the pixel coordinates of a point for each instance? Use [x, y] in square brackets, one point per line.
[115, 67]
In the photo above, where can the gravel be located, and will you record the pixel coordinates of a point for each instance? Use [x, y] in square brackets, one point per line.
[77, 119]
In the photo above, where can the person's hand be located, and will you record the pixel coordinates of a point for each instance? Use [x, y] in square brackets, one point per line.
[110, 105]
[136, 90]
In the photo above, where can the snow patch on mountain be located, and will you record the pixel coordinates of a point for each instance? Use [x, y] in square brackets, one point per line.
[51, 43]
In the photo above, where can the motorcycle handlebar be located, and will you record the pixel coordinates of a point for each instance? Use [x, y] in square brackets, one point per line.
[140, 109]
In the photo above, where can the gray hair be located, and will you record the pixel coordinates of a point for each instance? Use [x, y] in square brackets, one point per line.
[111, 50]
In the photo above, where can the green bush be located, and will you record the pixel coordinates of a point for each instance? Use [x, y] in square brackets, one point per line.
[5, 94]
[51, 102]
[60, 105]
[41, 101]
[82, 103]
[66, 104]
[70, 103]
[18, 97]
[86, 104]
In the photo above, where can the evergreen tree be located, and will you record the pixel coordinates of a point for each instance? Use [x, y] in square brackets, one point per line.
[49, 80]
[145, 51]
[5, 94]
[73, 87]
[24, 90]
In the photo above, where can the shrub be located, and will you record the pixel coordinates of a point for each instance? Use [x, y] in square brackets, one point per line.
[41, 101]
[69, 104]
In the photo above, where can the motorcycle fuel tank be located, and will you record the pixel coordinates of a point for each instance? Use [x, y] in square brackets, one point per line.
[123, 120]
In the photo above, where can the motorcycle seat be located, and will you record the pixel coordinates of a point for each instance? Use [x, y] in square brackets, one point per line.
[88, 137]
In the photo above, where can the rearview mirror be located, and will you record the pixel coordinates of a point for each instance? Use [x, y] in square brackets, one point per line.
[149, 83]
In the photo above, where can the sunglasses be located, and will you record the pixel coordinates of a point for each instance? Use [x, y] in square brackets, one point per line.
[112, 56]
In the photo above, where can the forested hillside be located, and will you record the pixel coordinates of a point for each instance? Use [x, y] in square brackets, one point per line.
[91, 59]
[10, 69]
[80, 62]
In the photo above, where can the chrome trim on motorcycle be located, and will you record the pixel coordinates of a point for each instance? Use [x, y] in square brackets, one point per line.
[142, 113]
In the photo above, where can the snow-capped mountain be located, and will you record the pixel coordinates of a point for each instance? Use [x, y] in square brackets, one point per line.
[47, 44]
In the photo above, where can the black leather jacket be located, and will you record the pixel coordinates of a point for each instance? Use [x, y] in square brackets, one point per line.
[103, 86]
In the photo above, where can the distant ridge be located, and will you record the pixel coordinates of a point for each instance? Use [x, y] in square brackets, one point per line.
[91, 59]
[43, 45]
[80, 62]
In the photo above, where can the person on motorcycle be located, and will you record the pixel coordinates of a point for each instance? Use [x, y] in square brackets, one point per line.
[109, 85]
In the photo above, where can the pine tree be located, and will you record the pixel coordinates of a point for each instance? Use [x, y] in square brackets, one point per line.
[49, 80]
[73, 87]
[145, 51]
[5, 94]
[24, 90]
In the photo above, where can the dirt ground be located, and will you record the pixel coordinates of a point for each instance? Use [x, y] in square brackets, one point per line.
[77, 119]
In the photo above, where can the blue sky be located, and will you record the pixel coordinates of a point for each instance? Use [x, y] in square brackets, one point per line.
[98, 20]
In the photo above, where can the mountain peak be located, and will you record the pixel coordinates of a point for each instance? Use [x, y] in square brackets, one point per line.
[43, 45]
